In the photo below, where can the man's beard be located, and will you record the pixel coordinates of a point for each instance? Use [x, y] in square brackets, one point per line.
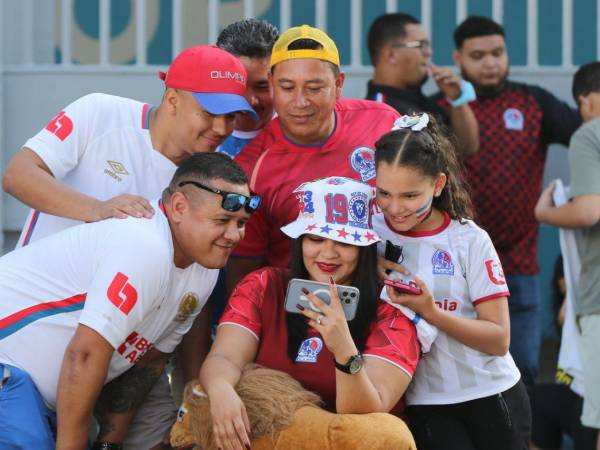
[488, 90]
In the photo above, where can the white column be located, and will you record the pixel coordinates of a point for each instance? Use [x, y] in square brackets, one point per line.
[285, 15]
[104, 32]
[598, 30]
[426, 17]
[248, 9]
[2, 146]
[391, 6]
[567, 34]
[321, 14]
[355, 32]
[140, 32]
[498, 11]
[461, 10]
[177, 28]
[27, 32]
[532, 33]
[66, 18]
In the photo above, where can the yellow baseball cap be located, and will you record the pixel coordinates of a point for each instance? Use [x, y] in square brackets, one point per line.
[280, 52]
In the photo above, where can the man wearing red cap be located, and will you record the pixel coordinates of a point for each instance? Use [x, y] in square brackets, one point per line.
[103, 156]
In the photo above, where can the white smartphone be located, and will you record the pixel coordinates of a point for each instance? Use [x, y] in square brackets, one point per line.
[348, 295]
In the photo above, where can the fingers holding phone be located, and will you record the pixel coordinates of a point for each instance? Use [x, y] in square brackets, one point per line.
[330, 322]
[413, 294]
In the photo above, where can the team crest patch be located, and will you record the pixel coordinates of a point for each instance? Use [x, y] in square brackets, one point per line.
[362, 160]
[442, 263]
[495, 272]
[513, 119]
[187, 306]
[309, 350]
[358, 209]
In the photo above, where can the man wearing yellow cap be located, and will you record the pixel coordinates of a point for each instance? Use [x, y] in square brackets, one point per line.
[315, 134]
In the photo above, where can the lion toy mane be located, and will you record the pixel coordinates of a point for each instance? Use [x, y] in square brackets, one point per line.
[285, 416]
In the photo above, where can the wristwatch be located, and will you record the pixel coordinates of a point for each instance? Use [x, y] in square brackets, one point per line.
[353, 366]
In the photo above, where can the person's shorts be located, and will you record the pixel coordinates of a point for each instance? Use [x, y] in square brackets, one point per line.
[154, 417]
[588, 348]
[25, 420]
[556, 410]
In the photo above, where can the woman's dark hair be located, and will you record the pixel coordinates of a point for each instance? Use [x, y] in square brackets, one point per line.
[364, 278]
[432, 153]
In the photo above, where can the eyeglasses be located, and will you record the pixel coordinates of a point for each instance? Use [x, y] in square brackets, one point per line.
[422, 45]
[232, 201]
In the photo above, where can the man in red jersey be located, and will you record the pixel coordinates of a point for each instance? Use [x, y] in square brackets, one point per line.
[315, 134]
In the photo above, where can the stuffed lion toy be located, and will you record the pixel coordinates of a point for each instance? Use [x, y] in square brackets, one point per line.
[285, 416]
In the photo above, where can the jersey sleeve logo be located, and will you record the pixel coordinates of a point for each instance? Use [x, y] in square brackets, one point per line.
[495, 272]
[362, 160]
[61, 126]
[122, 294]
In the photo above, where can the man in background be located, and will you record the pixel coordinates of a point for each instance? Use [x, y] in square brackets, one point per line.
[517, 122]
[582, 211]
[400, 52]
[251, 41]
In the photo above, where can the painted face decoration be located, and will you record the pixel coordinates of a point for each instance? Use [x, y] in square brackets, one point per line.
[424, 211]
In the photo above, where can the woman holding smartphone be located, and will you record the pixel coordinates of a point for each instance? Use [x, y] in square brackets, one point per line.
[467, 393]
[360, 366]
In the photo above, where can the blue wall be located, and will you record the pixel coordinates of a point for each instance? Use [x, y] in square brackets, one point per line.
[338, 25]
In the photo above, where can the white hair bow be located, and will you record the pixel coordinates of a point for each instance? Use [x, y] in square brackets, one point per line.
[415, 122]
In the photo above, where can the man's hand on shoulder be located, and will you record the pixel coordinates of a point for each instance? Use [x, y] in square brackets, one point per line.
[123, 206]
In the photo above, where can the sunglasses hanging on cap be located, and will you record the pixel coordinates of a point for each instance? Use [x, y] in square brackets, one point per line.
[232, 201]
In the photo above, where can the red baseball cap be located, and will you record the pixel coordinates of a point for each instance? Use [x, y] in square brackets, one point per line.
[216, 78]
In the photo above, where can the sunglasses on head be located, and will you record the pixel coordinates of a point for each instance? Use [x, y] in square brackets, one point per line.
[232, 201]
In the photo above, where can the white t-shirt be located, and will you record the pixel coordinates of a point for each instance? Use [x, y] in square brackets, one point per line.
[115, 276]
[461, 268]
[570, 369]
[100, 146]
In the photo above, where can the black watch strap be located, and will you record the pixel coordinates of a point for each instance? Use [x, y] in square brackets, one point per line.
[353, 365]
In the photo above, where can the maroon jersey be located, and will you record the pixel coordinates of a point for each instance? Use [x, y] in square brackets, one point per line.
[276, 167]
[257, 304]
[505, 176]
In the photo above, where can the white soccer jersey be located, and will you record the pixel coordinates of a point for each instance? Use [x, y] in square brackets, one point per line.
[115, 276]
[461, 268]
[100, 146]
[570, 370]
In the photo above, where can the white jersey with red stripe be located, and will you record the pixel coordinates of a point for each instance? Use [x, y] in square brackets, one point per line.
[460, 266]
[115, 276]
[100, 146]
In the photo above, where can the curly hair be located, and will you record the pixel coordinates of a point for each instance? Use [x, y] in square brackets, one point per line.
[249, 37]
